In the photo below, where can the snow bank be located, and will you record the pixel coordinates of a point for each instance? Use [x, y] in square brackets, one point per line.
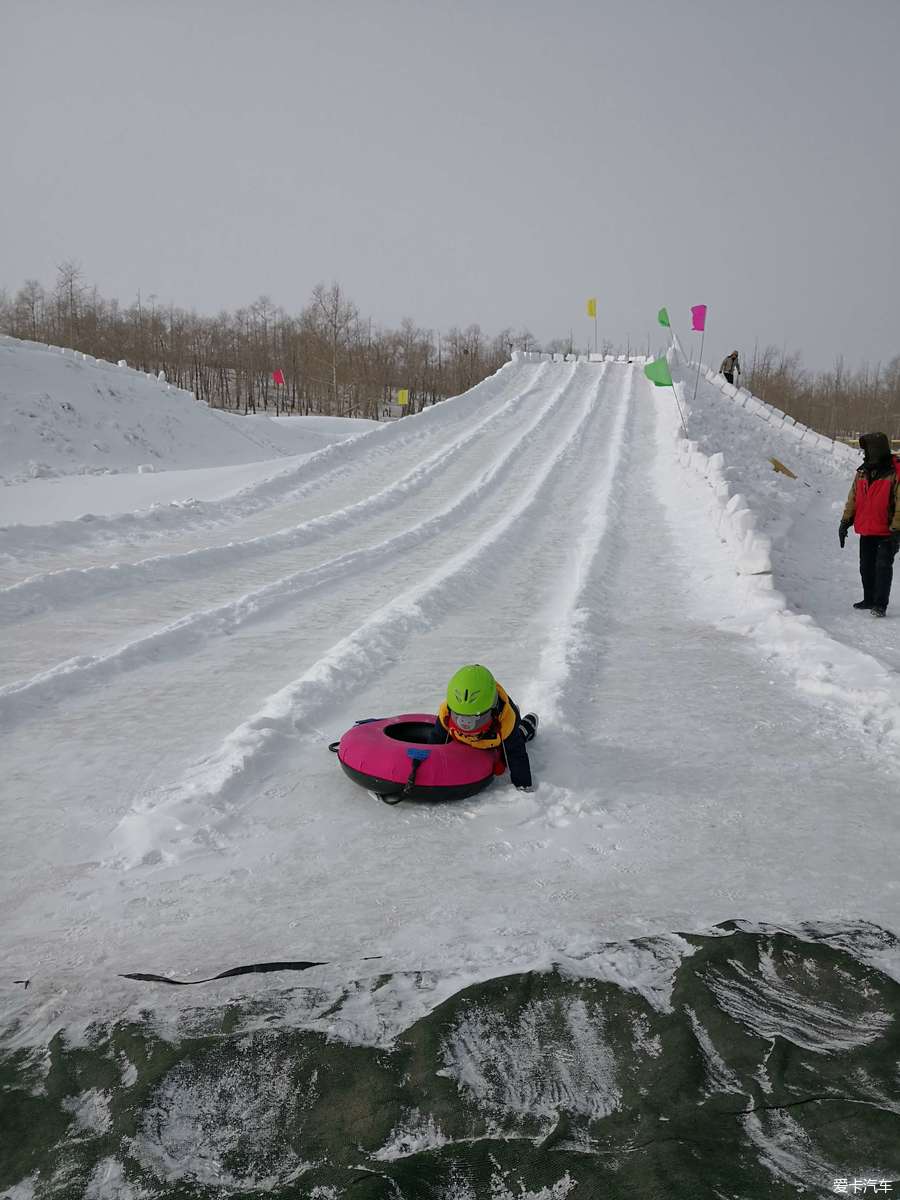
[67, 413]
[782, 534]
[263, 488]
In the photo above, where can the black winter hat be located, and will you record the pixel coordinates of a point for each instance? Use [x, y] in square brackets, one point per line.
[875, 446]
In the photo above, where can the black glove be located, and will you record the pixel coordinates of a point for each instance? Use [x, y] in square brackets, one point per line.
[842, 532]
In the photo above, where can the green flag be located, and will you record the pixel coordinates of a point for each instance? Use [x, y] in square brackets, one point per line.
[658, 372]
[663, 317]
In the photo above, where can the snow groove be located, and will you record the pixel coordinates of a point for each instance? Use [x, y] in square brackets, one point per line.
[570, 608]
[76, 584]
[18, 541]
[180, 637]
[183, 810]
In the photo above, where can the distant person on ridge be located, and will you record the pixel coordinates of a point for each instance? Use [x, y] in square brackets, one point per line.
[873, 509]
[479, 713]
[730, 366]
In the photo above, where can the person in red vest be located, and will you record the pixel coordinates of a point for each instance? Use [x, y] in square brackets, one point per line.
[873, 509]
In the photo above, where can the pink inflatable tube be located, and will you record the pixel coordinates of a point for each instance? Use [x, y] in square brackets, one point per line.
[393, 757]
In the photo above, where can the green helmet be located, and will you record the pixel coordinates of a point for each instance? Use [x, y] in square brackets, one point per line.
[472, 690]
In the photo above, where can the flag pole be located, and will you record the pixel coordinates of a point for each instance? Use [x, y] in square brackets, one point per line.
[680, 413]
[658, 372]
[699, 361]
[595, 333]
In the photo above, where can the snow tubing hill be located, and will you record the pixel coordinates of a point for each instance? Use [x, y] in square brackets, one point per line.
[392, 756]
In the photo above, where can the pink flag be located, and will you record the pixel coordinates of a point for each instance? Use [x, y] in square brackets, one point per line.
[698, 317]
[278, 376]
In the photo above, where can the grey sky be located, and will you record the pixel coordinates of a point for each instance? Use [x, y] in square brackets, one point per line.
[460, 162]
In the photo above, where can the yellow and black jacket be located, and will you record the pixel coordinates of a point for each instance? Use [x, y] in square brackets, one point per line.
[505, 719]
[505, 732]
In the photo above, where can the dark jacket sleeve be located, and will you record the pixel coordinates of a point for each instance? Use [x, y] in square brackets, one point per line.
[850, 506]
[439, 736]
[517, 758]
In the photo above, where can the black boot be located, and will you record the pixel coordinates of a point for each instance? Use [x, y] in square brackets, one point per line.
[529, 725]
[862, 604]
[877, 611]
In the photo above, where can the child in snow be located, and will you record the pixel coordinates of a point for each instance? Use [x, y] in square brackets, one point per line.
[873, 509]
[478, 712]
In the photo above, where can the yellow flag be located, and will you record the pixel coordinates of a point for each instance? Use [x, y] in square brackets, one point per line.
[403, 395]
[592, 307]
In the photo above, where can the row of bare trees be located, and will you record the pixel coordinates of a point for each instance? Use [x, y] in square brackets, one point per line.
[839, 403]
[333, 359]
[336, 361]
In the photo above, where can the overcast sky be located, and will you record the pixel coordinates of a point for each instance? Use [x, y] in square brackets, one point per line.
[474, 161]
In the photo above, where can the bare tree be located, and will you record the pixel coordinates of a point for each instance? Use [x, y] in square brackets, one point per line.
[333, 359]
[334, 315]
[29, 308]
[69, 286]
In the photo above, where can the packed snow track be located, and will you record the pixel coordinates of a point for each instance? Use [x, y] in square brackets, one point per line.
[171, 680]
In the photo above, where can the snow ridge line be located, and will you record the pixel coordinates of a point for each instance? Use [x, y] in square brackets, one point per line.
[569, 616]
[71, 585]
[181, 516]
[775, 417]
[540, 356]
[99, 364]
[857, 687]
[346, 667]
[185, 634]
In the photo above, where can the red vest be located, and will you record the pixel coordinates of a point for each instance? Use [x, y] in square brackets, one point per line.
[872, 504]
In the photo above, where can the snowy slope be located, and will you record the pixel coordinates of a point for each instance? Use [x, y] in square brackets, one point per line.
[171, 680]
[798, 585]
[63, 413]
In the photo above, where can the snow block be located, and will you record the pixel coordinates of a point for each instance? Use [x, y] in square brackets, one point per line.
[742, 523]
[756, 556]
[715, 466]
[736, 502]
